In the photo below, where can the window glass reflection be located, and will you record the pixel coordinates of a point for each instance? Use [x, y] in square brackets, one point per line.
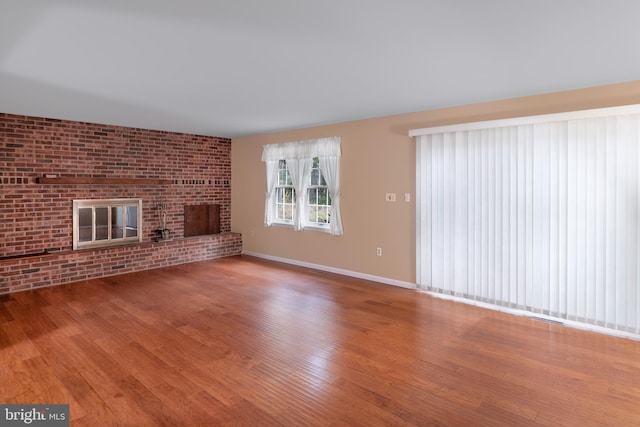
[132, 221]
[117, 217]
[102, 223]
[84, 222]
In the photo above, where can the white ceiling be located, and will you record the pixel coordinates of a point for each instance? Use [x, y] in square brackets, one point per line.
[240, 67]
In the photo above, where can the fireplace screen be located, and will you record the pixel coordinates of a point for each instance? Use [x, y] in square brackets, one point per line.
[107, 222]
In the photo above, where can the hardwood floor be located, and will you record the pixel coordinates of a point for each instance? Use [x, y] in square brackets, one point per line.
[241, 341]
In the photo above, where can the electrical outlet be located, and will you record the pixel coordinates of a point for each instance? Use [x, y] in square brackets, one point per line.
[390, 197]
[379, 251]
[407, 197]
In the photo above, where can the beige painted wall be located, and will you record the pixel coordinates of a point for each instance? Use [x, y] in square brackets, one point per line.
[378, 157]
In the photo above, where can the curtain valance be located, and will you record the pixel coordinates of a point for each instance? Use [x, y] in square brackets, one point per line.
[306, 149]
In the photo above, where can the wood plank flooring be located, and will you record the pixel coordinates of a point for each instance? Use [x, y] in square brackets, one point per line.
[245, 342]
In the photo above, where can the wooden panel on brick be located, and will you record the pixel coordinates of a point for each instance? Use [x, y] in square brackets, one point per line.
[200, 220]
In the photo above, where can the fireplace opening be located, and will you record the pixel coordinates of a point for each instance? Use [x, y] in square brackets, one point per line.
[106, 222]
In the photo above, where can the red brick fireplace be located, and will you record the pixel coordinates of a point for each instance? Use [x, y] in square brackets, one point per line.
[45, 164]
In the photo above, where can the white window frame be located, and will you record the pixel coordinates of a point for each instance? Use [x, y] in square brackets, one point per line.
[306, 221]
[110, 240]
[315, 187]
[278, 199]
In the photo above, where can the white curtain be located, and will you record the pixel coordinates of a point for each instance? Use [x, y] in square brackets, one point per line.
[299, 156]
[299, 169]
[272, 178]
[543, 217]
[330, 167]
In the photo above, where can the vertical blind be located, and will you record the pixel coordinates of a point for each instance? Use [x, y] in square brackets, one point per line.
[542, 216]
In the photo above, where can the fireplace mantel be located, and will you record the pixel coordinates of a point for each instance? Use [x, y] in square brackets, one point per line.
[95, 181]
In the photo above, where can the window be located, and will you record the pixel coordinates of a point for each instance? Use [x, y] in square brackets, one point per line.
[99, 223]
[319, 211]
[319, 202]
[285, 194]
[303, 184]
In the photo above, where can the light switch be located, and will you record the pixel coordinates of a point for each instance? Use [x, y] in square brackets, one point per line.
[390, 197]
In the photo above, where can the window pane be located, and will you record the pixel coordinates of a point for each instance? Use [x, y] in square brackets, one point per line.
[102, 223]
[116, 222]
[285, 203]
[315, 176]
[85, 223]
[288, 195]
[132, 221]
[319, 205]
[323, 215]
[288, 212]
[313, 214]
[284, 178]
[323, 196]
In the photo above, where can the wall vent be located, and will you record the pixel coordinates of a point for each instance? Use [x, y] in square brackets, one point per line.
[215, 182]
[7, 180]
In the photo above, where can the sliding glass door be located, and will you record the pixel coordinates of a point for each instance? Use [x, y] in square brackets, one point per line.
[541, 215]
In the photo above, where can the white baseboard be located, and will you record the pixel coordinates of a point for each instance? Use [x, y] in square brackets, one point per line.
[539, 316]
[407, 285]
[349, 273]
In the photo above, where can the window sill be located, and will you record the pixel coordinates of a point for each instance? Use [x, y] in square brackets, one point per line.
[316, 228]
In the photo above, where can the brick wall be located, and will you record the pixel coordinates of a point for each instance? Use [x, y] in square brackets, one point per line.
[20, 274]
[35, 217]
